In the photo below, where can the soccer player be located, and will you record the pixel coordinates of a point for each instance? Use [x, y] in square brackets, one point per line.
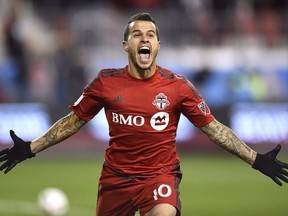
[143, 103]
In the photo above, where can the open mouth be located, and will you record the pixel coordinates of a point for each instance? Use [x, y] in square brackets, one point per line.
[144, 53]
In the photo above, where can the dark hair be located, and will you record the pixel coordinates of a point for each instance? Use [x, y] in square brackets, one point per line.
[140, 17]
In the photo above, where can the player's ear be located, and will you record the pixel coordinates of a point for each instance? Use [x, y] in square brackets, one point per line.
[125, 46]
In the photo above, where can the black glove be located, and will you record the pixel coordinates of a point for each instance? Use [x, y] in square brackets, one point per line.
[270, 166]
[20, 151]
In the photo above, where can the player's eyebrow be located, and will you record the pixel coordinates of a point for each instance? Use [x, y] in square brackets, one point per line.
[139, 31]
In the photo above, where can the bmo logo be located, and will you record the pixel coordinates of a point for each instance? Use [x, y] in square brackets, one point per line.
[128, 120]
[159, 121]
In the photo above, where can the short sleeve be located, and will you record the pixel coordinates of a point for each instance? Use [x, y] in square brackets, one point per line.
[90, 102]
[193, 105]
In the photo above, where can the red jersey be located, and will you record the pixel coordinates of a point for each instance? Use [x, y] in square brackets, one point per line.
[143, 116]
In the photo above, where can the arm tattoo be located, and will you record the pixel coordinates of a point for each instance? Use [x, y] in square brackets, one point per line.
[227, 139]
[61, 130]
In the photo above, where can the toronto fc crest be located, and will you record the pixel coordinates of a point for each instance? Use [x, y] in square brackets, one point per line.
[161, 101]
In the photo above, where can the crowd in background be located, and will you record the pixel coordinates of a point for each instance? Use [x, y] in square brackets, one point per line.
[50, 49]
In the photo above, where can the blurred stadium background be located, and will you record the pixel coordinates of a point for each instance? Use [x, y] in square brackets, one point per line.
[235, 52]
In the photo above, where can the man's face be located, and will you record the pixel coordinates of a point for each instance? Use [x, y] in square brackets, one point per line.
[142, 45]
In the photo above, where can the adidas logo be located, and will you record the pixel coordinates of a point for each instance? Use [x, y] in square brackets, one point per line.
[118, 98]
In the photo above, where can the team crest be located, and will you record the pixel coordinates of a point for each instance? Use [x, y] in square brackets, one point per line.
[204, 108]
[161, 101]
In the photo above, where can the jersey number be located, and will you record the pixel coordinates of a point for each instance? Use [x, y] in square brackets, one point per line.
[163, 190]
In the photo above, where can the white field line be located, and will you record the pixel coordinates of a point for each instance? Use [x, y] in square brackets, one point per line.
[30, 208]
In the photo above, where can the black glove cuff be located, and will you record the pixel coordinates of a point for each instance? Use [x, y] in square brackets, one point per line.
[258, 163]
[28, 151]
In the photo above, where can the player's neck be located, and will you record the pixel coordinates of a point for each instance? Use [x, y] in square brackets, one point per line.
[140, 73]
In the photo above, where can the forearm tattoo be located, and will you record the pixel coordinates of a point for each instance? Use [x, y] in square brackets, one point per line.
[61, 130]
[227, 139]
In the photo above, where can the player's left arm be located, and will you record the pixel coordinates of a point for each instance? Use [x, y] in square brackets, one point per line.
[224, 137]
[267, 163]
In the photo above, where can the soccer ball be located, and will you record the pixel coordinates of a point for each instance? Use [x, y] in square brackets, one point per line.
[53, 202]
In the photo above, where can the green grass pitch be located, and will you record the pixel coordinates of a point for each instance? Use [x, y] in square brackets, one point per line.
[212, 185]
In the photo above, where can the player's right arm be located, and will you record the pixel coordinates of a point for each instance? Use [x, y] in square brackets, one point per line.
[22, 150]
[61, 130]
